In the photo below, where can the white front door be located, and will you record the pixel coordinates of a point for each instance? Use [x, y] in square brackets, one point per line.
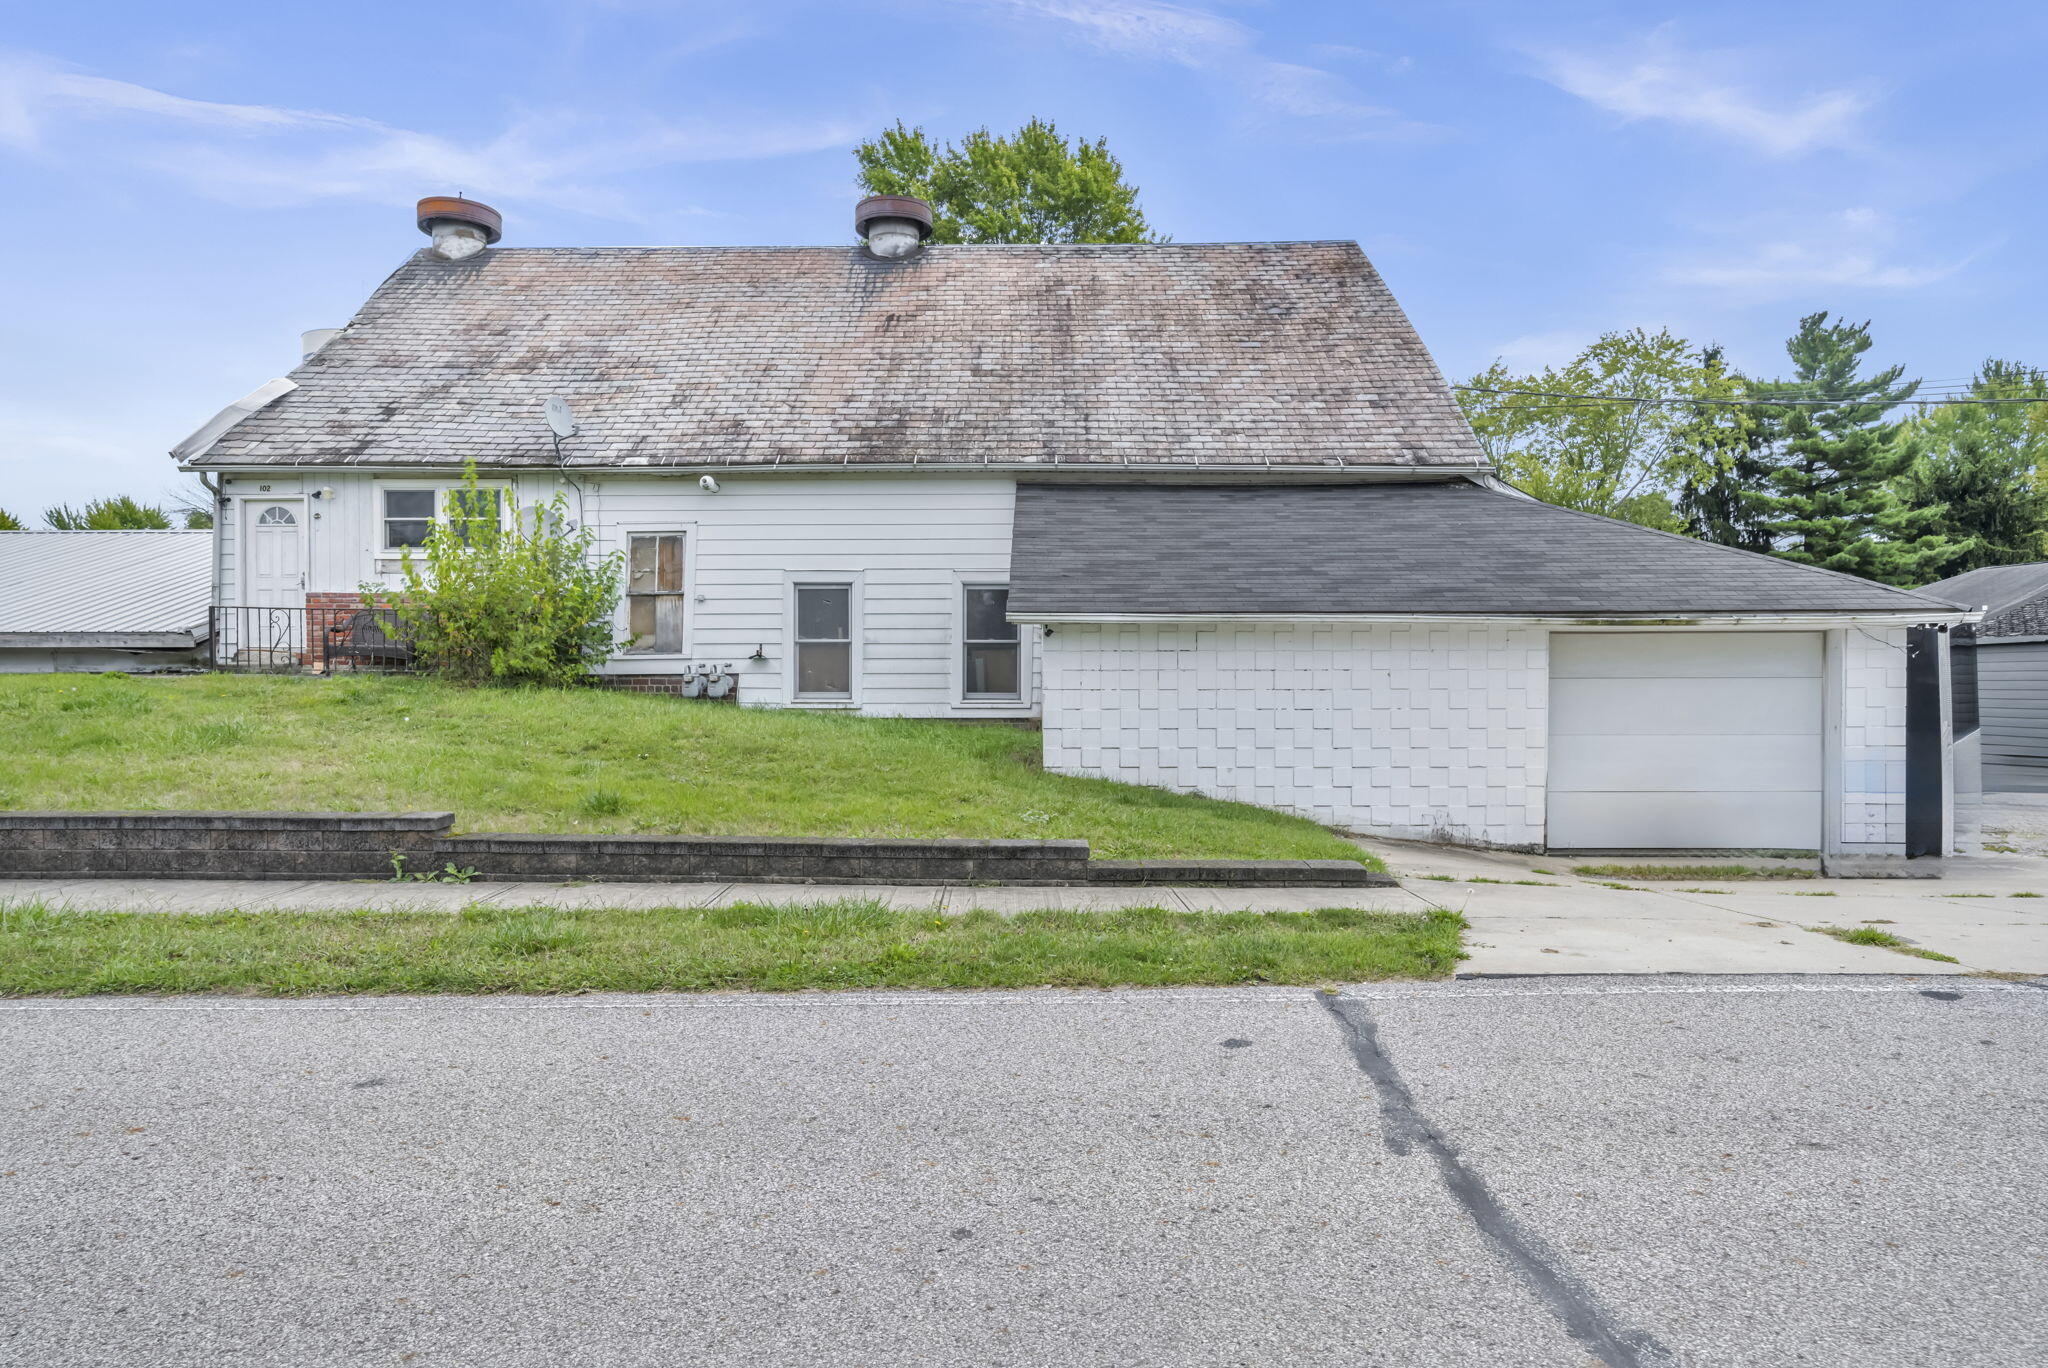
[1685, 740]
[274, 568]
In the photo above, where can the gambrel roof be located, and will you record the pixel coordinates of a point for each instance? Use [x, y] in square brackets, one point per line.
[1236, 355]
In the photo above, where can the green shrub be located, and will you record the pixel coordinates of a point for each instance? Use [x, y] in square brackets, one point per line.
[522, 602]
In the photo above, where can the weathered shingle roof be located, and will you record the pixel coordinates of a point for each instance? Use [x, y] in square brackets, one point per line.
[1244, 353]
[104, 583]
[2015, 597]
[1337, 550]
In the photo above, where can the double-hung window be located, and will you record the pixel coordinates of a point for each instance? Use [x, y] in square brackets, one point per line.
[654, 593]
[824, 641]
[991, 661]
[408, 517]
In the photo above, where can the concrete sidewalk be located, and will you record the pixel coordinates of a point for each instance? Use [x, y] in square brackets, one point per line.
[256, 895]
[1530, 914]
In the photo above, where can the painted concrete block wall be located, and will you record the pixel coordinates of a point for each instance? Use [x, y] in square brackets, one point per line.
[1431, 732]
[1873, 746]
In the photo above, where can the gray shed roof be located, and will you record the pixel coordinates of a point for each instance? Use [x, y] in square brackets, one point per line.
[2015, 597]
[1449, 547]
[1235, 354]
[104, 585]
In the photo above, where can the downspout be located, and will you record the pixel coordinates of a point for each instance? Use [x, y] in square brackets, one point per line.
[217, 488]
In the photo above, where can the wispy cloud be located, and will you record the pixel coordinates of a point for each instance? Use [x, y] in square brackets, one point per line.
[239, 152]
[1853, 249]
[1655, 79]
[1223, 48]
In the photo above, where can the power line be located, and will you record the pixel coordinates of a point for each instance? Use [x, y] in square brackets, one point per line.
[1590, 399]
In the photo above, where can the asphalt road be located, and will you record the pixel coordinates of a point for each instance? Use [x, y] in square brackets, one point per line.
[1558, 1172]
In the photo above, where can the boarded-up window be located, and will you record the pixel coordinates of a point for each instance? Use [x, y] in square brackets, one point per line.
[824, 641]
[990, 646]
[654, 594]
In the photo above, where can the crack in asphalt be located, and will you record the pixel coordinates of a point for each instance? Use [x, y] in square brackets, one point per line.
[1405, 1129]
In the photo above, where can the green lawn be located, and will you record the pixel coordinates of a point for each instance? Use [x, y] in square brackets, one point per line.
[820, 945]
[583, 761]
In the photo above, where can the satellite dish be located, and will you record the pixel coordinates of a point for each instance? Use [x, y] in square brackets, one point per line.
[561, 421]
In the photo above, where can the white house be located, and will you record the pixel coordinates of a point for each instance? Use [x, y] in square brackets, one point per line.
[1208, 510]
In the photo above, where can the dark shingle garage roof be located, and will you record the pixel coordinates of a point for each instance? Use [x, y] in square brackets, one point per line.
[1290, 353]
[2015, 598]
[1449, 547]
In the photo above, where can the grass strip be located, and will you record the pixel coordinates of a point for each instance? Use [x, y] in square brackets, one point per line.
[1870, 935]
[849, 944]
[1698, 871]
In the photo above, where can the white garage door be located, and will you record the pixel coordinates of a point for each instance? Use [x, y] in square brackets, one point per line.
[1685, 740]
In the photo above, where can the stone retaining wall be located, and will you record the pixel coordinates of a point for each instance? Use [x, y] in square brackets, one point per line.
[360, 845]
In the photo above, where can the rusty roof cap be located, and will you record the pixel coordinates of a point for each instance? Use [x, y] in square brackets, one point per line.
[461, 210]
[893, 206]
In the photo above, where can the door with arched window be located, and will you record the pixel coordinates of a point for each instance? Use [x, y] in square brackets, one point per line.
[274, 563]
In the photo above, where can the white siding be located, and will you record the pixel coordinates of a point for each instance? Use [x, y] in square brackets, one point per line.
[910, 541]
[1430, 732]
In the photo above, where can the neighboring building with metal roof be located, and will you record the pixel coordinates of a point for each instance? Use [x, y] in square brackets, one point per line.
[92, 601]
[1209, 510]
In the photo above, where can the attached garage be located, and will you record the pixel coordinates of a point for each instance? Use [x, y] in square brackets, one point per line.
[1447, 661]
[1697, 740]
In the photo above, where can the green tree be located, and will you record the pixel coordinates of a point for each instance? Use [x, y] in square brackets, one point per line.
[1032, 186]
[507, 596]
[119, 513]
[10, 523]
[1981, 469]
[1828, 496]
[1623, 460]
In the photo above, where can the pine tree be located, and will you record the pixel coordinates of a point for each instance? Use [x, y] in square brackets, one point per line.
[1829, 497]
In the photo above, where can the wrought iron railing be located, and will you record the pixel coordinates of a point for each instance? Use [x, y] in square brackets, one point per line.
[254, 639]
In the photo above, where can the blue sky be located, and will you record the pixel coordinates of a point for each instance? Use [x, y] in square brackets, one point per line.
[188, 186]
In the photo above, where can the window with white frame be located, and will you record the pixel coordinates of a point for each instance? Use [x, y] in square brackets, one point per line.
[408, 517]
[991, 652]
[824, 641]
[654, 593]
[410, 514]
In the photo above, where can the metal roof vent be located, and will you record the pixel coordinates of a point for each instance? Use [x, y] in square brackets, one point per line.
[460, 227]
[894, 225]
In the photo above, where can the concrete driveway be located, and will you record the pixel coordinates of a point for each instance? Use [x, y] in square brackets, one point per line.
[1556, 1172]
[1530, 914]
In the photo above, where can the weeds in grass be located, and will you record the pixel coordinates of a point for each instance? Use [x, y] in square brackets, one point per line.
[1968, 895]
[1700, 871]
[1813, 893]
[448, 873]
[1723, 891]
[1542, 871]
[1870, 935]
[1626, 888]
[857, 944]
[602, 803]
[1521, 883]
[1439, 878]
[2023, 895]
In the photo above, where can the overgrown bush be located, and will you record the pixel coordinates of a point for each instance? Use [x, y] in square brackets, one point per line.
[514, 601]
